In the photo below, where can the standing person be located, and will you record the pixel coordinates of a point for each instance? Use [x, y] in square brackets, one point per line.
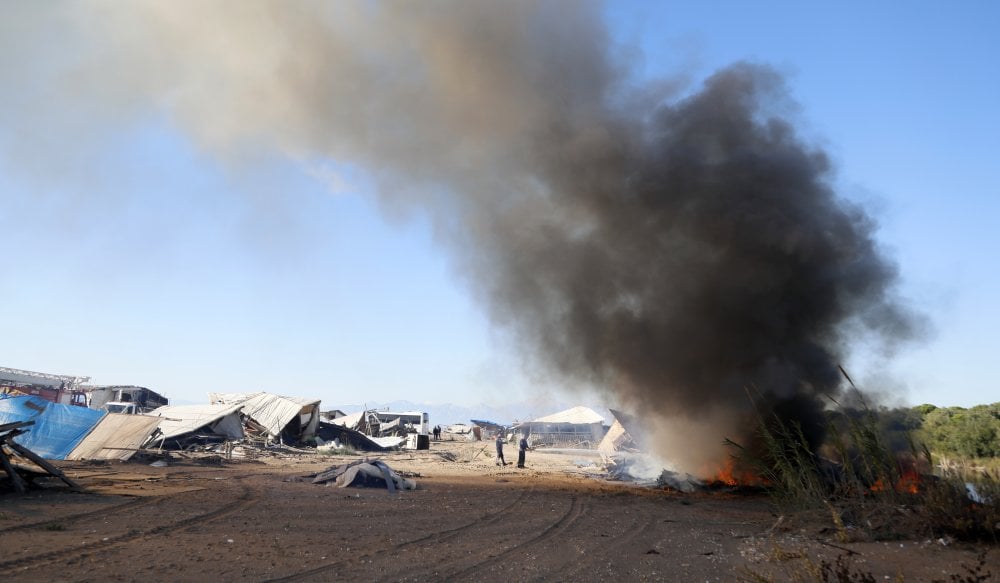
[522, 446]
[500, 460]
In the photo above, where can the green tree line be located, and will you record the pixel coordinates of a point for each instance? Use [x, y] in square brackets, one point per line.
[970, 433]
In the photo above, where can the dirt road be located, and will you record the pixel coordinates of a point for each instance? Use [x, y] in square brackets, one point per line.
[469, 520]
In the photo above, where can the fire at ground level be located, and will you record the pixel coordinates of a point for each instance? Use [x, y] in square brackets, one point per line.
[203, 519]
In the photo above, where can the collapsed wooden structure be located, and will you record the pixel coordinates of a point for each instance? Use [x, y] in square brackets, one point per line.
[18, 475]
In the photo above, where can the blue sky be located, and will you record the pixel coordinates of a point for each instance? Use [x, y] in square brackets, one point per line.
[144, 259]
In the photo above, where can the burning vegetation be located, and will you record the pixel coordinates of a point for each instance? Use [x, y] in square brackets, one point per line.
[728, 474]
[868, 486]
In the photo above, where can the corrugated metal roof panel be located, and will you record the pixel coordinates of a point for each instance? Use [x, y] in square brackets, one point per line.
[115, 437]
[181, 419]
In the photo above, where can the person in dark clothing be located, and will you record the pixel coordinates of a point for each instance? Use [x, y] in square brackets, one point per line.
[522, 446]
[500, 460]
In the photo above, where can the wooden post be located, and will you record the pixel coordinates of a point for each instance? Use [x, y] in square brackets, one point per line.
[9, 431]
[17, 480]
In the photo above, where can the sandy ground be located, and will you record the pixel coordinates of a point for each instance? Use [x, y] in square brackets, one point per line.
[469, 520]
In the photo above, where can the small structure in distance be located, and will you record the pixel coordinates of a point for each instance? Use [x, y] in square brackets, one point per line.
[577, 427]
[128, 399]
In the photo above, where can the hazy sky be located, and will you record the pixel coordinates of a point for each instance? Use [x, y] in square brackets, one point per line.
[135, 253]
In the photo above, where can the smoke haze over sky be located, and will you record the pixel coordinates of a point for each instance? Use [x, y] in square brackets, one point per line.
[328, 199]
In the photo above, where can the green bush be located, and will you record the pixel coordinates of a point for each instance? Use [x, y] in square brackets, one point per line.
[969, 433]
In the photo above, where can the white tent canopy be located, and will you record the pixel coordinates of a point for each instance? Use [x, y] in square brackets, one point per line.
[577, 415]
[576, 427]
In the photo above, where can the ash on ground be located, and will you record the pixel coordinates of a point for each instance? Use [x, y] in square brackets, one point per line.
[646, 470]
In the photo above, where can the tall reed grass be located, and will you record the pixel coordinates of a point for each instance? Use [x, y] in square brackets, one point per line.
[868, 488]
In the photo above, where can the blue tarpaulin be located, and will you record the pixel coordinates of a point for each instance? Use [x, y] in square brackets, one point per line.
[57, 429]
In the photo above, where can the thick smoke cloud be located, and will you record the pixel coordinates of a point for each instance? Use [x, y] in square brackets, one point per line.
[674, 248]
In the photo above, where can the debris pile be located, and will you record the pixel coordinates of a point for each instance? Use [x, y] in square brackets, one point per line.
[187, 426]
[387, 429]
[332, 437]
[233, 425]
[274, 418]
[116, 422]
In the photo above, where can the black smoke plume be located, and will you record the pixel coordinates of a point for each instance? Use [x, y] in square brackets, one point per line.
[708, 259]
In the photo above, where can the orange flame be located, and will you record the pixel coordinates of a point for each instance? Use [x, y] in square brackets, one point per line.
[908, 483]
[727, 473]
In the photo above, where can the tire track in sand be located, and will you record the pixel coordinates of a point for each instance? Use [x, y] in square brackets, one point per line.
[574, 568]
[566, 520]
[430, 539]
[247, 498]
[128, 505]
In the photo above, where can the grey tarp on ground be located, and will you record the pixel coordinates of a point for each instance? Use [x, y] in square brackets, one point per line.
[370, 473]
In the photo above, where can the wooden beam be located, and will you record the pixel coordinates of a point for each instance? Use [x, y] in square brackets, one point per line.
[41, 462]
[15, 478]
[15, 425]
